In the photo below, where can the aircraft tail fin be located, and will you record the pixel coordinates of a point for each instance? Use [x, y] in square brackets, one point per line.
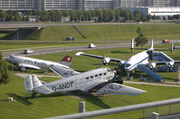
[33, 84]
[66, 61]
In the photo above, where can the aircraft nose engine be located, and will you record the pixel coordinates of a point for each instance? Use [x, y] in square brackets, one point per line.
[117, 78]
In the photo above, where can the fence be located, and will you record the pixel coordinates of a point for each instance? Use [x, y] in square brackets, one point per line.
[165, 108]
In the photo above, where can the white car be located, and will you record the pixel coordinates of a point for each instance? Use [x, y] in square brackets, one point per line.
[28, 51]
[139, 22]
[91, 46]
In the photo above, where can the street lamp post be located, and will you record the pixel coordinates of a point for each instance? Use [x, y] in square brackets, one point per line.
[105, 35]
[91, 62]
[65, 40]
[17, 42]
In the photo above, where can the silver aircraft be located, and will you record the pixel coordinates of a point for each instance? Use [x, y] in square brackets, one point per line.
[24, 63]
[140, 61]
[102, 80]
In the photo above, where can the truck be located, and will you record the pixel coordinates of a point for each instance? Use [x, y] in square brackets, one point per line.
[165, 41]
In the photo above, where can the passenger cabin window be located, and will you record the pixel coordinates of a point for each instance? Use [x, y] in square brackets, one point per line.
[104, 73]
[96, 75]
[100, 74]
[87, 77]
[91, 76]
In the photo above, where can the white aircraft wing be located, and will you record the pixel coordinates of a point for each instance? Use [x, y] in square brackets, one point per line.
[28, 66]
[63, 72]
[100, 57]
[112, 88]
[43, 90]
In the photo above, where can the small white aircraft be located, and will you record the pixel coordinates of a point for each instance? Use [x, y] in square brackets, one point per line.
[102, 80]
[24, 63]
[140, 61]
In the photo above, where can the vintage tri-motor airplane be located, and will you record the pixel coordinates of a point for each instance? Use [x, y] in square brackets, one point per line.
[24, 63]
[140, 61]
[102, 80]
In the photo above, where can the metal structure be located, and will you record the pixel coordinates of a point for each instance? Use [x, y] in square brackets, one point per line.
[118, 109]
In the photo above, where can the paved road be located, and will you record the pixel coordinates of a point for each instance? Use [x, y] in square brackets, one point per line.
[48, 50]
[41, 24]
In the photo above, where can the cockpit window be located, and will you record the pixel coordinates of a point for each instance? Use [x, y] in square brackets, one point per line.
[11, 57]
[127, 65]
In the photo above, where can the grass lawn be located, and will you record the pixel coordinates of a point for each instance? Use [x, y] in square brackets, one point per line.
[53, 104]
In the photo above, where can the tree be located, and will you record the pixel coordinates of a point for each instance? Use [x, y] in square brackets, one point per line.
[65, 13]
[141, 39]
[128, 14]
[143, 17]
[52, 14]
[138, 30]
[4, 75]
[149, 17]
[27, 18]
[117, 15]
[79, 14]
[17, 16]
[3, 15]
[9, 16]
[136, 15]
[59, 15]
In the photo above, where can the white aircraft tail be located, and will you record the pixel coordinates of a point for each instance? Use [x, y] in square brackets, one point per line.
[152, 45]
[31, 82]
[66, 61]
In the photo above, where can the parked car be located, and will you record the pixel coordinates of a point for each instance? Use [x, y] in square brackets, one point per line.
[165, 41]
[27, 51]
[177, 23]
[91, 45]
[139, 22]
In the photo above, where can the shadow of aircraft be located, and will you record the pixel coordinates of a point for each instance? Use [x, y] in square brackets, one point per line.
[20, 99]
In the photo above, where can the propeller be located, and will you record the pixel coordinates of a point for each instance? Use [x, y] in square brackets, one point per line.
[105, 61]
[153, 66]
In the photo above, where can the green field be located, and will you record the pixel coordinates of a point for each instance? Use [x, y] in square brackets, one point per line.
[102, 32]
[55, 35]
[53, 104]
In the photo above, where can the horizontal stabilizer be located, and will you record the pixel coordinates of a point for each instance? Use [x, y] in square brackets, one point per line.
[43, 90]
[63, 72]
[150, 72]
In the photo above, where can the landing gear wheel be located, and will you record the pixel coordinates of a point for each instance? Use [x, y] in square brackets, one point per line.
[33, 96]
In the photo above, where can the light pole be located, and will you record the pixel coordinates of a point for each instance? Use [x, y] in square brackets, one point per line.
[12, 64]
[91, 62]
[111, 31]
[105, 35]
[17, 42]
[65, 39]
[57, 33]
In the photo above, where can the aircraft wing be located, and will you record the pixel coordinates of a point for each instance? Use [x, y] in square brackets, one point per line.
[100, 57]
[63, 72]
[43, 90]
[112, 88]
[28, 66]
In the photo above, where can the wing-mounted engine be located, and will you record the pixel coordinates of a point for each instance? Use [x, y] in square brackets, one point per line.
[153, 66]
[117, 78]
[105, 61]
[169, 66]
[31, 82]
